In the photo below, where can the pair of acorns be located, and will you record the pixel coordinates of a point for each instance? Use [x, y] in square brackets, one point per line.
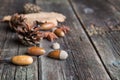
[59, 31]
[38, 51]
[56, 54]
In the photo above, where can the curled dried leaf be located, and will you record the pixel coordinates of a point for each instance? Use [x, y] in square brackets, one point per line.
[64, 28]
[50, 36]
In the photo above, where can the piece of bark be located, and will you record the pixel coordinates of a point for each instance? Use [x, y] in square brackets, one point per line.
[53, 17]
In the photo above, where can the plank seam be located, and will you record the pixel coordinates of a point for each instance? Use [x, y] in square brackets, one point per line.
[91, 42]
[38, 68]
[16, 67]
[1, 53]
[34, 1]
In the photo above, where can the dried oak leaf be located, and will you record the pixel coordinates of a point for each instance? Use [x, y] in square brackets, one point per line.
[50, 36]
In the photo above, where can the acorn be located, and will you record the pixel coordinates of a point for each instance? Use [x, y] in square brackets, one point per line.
[47, 26]
[58, 54]
[58, 32]
[22, 60]
[36, 51]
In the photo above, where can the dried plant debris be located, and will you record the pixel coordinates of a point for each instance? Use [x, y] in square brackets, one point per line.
[43, 17]
[31, 28]
[95, 30]
[100, 30]
[116, 27]
[61, 30]
[31, 8]
[50, 36]
[16, 22]
[29, 35]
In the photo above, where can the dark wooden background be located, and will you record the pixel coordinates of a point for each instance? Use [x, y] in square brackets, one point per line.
[91, 57]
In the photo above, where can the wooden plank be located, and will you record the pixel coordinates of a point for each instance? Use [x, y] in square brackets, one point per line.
[116, 7]
[12, 6]
[8, 69]
[2, 39]
[115, 4]
[100, 13]
[7, 45]
[83, 62]
[10, 46]
[26, 72]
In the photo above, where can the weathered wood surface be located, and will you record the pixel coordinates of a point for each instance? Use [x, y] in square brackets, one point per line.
[10, 46]
[83, 62]
[91, 57]
[103, 14]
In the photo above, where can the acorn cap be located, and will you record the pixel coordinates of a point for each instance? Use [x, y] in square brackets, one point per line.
[56, 45]
[63, 54]
[58, 54]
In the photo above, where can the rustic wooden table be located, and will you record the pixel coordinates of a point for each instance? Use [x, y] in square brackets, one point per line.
[94, 52]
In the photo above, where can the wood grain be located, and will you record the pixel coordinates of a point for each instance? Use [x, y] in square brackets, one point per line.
[91, 57]
[10, 46]
[102, 14]
[29, 72]
[83, 62]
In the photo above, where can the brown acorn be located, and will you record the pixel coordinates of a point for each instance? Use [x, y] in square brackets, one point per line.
[22, 60]
[58, 54]
[46, 26]
[36, 51]
[58, 32]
